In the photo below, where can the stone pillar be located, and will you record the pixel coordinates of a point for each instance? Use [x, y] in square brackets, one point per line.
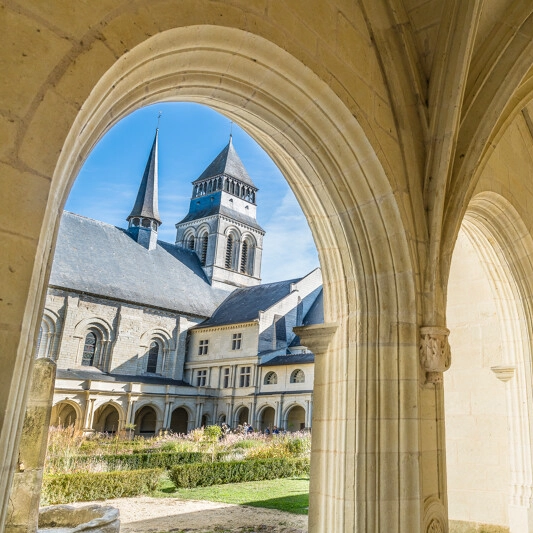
[88, 415]
[23, 511]
[166, 416]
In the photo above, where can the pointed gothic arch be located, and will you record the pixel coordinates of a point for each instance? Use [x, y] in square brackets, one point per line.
[48, 335]
[504, 246]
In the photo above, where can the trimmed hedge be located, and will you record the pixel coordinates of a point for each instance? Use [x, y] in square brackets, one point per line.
[88, 486]
[207, 474]
[134, 461]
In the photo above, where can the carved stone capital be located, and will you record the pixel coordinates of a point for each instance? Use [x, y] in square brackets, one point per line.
[435, 354]
[316, 337]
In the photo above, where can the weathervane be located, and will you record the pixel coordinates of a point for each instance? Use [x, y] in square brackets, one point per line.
[230, 128]
[158, 119]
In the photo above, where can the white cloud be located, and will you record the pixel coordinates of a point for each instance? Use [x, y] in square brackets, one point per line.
[288, 247]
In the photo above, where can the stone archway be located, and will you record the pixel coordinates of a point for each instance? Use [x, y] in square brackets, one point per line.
[359, 229]
[267, 418]
[489, 399]
[242, 416]
[64, 414]
[295, 418]
[146, 421]
[107, 419]
[179, 422]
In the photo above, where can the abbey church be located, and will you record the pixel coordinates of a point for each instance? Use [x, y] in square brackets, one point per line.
[157, 336]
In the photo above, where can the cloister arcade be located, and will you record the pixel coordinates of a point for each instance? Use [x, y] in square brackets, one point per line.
[400, 125]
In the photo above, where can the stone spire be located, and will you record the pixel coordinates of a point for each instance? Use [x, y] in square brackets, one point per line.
[227, 163]
[144, 217]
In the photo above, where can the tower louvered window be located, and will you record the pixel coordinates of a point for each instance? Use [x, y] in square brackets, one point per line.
[229, 251]
[204, 249]
[244, 258]
[190, 243]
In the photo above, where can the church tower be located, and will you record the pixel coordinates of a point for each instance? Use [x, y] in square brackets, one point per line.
[144, 217]
[221, 225]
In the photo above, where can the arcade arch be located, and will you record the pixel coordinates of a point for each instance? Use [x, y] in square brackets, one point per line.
[107, 418]
[146, 421]
[242, 416]
[488, 398]
[179, 421]
[295, 418]
[66, 414]
[358, 226]
[267, 418]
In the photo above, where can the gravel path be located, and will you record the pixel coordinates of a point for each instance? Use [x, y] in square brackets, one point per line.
[153, 515]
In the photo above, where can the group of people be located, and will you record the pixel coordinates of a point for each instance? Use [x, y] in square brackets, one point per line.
[247, 429]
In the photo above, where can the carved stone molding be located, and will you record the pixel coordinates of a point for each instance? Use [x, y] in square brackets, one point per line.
[435, 354]
[317, 337]
[503, 373]
[435, 519]
[435, 526]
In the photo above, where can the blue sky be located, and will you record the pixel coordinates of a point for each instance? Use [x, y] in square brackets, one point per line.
[190, 137]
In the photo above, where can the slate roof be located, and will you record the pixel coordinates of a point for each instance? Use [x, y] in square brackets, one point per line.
[315, 315]
[225, 211]
[97, 375]
[243, 305]
[101, 259]
[146, 202]
[229, 163]
[293, 359]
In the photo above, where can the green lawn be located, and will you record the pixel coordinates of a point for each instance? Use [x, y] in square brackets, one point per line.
[288, 494]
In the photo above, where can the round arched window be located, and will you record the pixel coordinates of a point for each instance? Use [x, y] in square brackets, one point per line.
[271, 378]
[153, 355]
[89, 349]
[298, 376]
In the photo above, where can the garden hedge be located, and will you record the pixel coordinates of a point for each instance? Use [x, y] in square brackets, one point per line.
[218, 473]
[88, 486]
[134, 461]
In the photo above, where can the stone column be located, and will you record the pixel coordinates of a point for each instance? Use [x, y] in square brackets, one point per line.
[23, 511]
[168, 413]
[88, 416]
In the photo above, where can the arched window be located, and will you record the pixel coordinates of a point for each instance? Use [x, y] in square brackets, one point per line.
[229, 251]
[153, 355]
[190, 242]
[203, 255]
[39, 341]
[298, 376]
[244, 258]
[89, 349]
[271, 378]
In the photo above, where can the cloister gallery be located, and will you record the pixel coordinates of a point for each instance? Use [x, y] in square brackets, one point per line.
[404, 128]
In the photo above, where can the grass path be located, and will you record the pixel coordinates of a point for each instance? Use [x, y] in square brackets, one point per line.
[289, 494]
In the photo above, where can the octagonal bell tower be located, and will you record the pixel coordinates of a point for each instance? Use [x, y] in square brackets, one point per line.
[221, 225]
